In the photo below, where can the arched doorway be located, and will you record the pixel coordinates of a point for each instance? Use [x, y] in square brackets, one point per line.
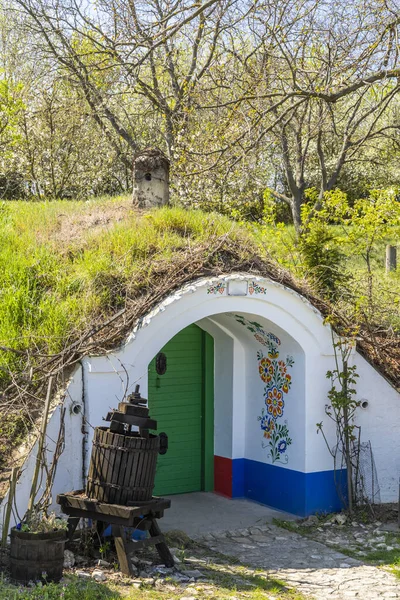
[257, 418]
[181, 400]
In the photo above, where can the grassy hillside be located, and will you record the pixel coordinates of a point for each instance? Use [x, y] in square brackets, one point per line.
[64, 265]
[67, 267]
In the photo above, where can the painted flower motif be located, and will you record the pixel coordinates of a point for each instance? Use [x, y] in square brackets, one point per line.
[268, 426]
[274, 338]
[282, 367]
[259, 338]
[282, 446]
[254, 288]
[274, 402]
[286, 384]
[266, 369]
[218, 288]
[273, 353]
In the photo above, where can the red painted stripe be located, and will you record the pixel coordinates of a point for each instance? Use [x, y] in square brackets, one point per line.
[223, 476]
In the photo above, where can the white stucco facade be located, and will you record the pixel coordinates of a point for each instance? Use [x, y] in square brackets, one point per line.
[258, 327]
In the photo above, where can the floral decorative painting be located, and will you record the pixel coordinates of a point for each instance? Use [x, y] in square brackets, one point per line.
[274, 372]
[254, 288]
[264, 337]
[278, 438]
[218, 288]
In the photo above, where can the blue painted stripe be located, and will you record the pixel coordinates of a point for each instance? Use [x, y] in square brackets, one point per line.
[295, 492]
[238, 477]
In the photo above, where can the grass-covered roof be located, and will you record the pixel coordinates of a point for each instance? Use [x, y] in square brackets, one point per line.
[76, 276]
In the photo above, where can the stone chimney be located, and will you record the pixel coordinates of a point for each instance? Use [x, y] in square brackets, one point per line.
[150, 179]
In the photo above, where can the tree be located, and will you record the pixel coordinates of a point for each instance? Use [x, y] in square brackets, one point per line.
[11, 105]
[315, 85]
[62, 152]
[229, 87]
[328, 76]
[137, 47]
[308, 85]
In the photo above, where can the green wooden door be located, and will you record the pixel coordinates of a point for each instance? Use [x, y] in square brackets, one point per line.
[182, 403]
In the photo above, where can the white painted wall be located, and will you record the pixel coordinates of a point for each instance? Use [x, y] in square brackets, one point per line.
[69, 474]
[380, 424]
[224, 345]
[238, 388]
[248, 439]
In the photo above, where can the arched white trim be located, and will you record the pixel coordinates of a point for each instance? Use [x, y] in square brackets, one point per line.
[280, 305]
[284, 309]
[285, 301]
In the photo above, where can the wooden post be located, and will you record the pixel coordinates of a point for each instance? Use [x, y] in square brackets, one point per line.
[40, 449]
[391, 258]
[398, 510]
[11, 494]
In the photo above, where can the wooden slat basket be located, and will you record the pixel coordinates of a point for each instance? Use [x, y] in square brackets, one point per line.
[122, 467]
[36, 556]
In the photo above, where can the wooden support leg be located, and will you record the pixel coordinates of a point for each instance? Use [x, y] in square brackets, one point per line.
[162, 547]
[72, 525]
[121, 546]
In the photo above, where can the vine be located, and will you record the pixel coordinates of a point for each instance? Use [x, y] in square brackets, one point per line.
[341, 410]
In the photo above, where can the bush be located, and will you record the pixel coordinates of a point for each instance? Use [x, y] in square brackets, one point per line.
[322, 259]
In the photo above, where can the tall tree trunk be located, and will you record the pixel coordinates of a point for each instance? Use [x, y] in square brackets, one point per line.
[296, 201]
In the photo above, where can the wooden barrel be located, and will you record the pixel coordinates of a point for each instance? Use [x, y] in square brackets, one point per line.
[122, 467]
[36, 556]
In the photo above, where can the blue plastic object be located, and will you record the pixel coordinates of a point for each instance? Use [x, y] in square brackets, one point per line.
[137, 534]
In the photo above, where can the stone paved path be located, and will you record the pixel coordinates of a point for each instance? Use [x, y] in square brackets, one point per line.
[312, 568]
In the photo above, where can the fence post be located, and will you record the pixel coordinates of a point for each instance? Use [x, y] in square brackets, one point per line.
[391, 258]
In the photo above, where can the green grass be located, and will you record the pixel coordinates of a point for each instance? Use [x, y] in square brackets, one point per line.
[389, 559]
[224, 577]
[379, 557]
[51, 284]
[72, 589]
[66, 266]
[54, 281]
[223, 586]
[224, 580]
[288, 525]
[63, 264]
